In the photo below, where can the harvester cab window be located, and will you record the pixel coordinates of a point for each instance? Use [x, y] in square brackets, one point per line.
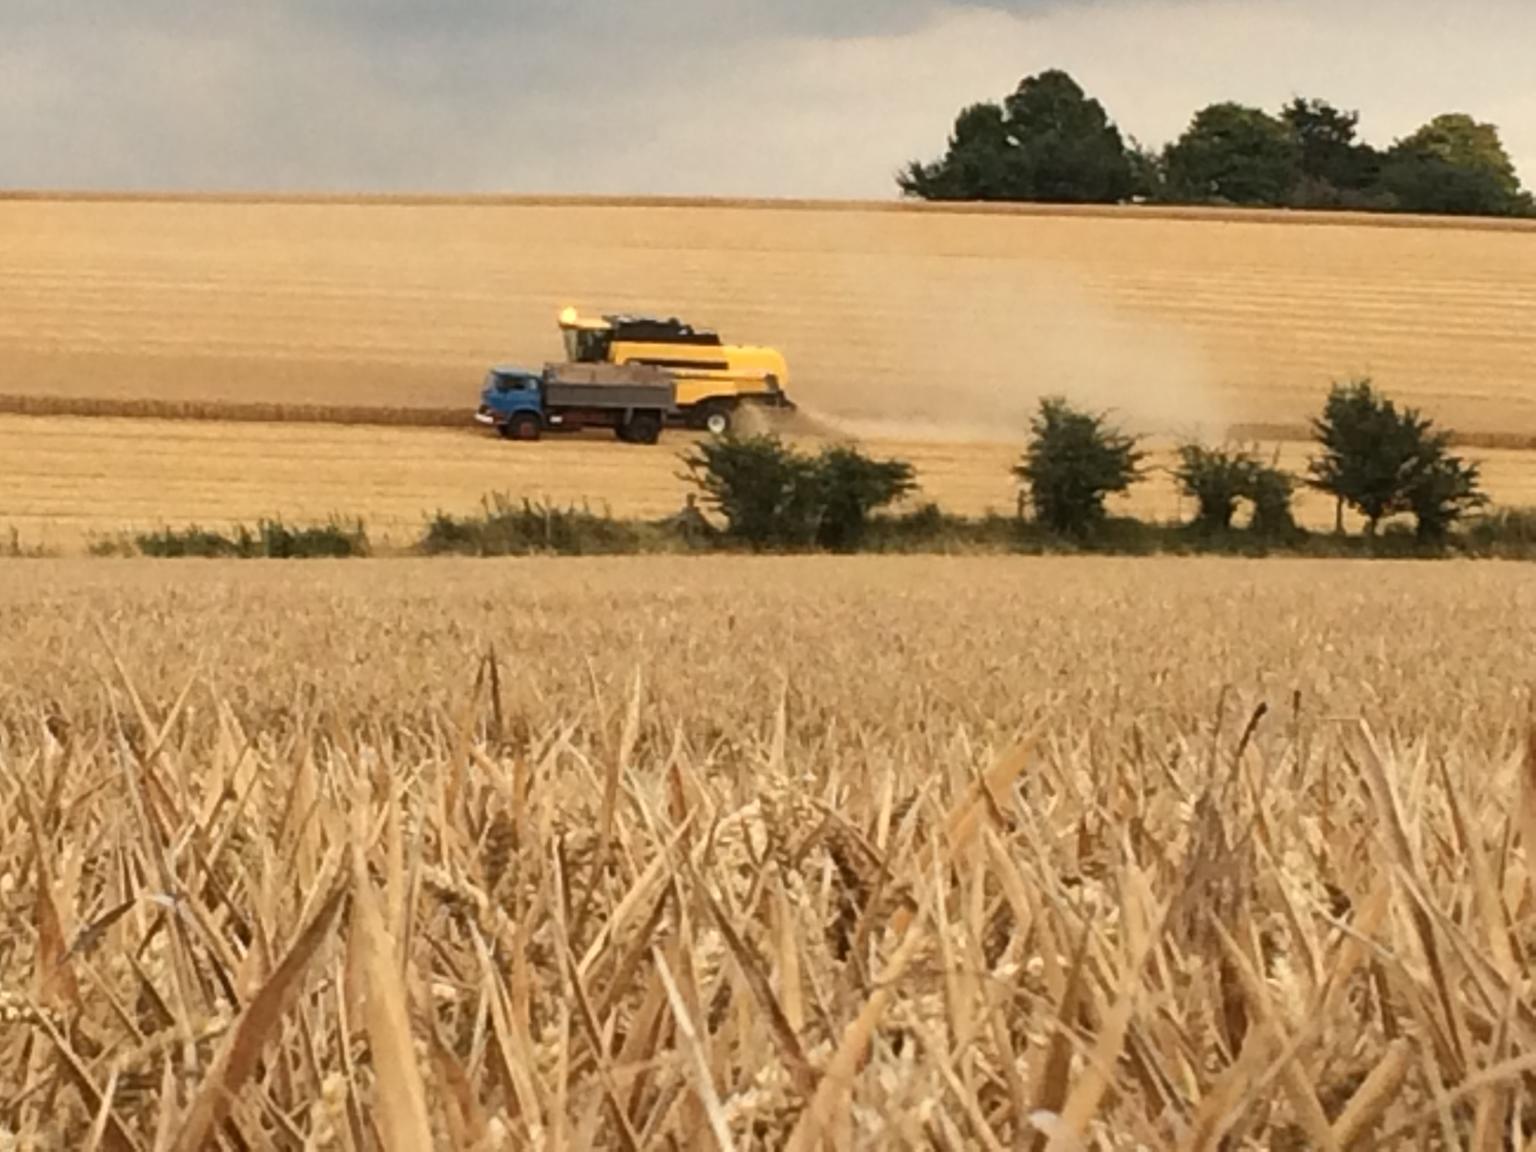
[586, 345]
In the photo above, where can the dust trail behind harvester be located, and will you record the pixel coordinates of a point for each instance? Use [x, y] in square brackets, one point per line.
[987, 339]
[816, 424]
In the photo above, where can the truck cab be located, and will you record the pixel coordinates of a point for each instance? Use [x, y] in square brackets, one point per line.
[512, 401]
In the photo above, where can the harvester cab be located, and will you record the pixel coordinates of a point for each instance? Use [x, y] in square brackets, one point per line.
[586, 341]
[714, 379]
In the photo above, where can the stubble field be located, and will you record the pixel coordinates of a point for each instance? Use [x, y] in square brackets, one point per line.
[925, 332]
[71, 481]
[768, 853]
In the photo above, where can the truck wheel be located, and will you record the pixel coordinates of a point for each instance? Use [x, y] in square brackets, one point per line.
[644, 428]
[522, 426]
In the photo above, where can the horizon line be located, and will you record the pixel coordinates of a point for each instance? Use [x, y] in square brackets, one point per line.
[1028, 209]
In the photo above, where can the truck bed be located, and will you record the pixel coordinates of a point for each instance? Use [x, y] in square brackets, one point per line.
[608, 386]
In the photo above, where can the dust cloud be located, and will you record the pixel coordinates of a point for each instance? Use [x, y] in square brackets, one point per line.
[966, 353]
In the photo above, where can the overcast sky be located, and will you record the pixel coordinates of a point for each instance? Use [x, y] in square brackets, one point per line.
[734, 97]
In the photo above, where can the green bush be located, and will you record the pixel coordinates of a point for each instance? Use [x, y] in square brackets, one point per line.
[189, 541]
[451, 534]
[928, 528]
[272, 539]
[1219, 479]
[112, 544]
[276, 540]
[773, 497]
[1442, 491]
[507, 527]
[1505, 531]
[1271, 490]
[919, 528]
[1073, 462]
[1382, 461]
[766, 491]
[850, 487]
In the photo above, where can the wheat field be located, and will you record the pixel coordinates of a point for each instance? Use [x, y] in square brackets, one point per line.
[72, 481]
[957, 319]
[763, 854]
[747, 853]
[933, 328]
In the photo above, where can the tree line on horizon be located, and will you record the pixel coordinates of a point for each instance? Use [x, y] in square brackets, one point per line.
[1050, 142]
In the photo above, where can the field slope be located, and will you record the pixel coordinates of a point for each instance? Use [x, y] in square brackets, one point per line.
[902, 324]
[958, 318]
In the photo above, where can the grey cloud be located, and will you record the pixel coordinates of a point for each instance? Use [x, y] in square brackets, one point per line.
[337, 94]
[672, 20]
[462, 20]
[800, 97]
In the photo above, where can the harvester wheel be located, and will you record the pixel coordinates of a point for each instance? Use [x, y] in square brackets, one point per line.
[718, 420]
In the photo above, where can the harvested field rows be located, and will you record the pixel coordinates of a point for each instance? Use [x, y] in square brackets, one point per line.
[957, 319]
[918, 331]
[757, 849]
[69, 480]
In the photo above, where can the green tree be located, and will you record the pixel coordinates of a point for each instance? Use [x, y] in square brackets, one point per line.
[1148, 180]
[1236, 155]
[1367, 453]
[1445, 489]
[766, 491]
[1271, 490]
[851, 487]
[1454, 165]
[1335, 169]
[772, 496]
[1216, 479]
[976, 167]
[1072, 463]
[1382, 461]
[1049, 142]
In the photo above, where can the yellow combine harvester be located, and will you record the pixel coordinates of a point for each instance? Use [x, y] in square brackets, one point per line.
[714, 379]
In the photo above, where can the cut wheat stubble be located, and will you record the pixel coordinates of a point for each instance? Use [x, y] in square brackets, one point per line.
[841, 882]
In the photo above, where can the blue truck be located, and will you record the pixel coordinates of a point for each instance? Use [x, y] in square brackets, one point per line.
[635, 401]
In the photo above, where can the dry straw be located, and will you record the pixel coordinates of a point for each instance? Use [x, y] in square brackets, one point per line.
[664, 874]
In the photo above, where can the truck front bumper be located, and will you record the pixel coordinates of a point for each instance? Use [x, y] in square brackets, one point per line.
[483, 416]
